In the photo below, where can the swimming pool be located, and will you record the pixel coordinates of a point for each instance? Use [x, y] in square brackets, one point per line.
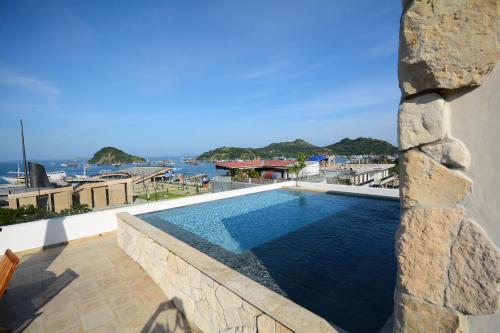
[331, 254]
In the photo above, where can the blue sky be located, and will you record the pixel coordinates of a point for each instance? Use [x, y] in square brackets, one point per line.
[158, 78]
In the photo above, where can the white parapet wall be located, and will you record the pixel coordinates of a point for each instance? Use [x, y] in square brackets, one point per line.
[350, 190]
[37, 234]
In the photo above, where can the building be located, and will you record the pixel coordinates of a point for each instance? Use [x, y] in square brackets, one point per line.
[324, 161]
[110, 193]
[146, 174]
[312, 168]
[54, 199]
[271, 169]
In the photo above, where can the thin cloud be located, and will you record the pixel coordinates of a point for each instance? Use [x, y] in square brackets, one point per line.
[263, 72]
[360, 95]
[279, 71]
[28, 83]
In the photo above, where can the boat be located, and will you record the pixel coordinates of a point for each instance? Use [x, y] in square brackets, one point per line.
[192, 161]
[117, 165]
[56, 176]
[168, 163]
[19, 179]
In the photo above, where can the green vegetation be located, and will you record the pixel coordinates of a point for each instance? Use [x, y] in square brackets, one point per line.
[359, 146]
[362, 146]
[230, 153]
[31, 213]
[108, 155]
[161, 196]
[297, 167]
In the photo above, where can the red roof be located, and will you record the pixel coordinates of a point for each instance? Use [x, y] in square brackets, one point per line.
[255, 164]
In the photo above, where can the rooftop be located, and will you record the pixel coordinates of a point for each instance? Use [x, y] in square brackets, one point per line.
[256, 164]
[109, 292]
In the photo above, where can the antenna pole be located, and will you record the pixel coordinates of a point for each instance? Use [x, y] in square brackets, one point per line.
[24, 158]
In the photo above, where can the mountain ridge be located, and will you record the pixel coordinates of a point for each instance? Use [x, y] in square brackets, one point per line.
[346, 146]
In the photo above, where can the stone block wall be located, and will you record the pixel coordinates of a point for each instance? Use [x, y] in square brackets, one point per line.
[447, 245]
[206, 302]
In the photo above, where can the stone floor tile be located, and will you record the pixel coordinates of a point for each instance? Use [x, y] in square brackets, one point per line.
[109, 327]
[62, 321]
[111, 294]
[132, 311]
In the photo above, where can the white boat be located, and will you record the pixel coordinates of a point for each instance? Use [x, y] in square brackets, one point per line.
[56, 176]
[19, 179]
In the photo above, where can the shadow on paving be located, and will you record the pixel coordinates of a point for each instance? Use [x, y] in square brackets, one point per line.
[169, 318]
[34, 283]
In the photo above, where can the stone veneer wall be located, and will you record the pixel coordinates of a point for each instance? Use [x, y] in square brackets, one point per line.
[200, 286]
[447, 245]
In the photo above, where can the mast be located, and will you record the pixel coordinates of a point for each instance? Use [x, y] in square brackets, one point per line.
[24, 157]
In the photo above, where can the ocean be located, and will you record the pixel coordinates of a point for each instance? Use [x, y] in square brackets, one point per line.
[9, 169]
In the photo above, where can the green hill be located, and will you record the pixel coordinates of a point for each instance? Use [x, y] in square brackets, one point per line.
[229, 153]
[359, 146]
[362, 146]
[288, 148]
[108, 155]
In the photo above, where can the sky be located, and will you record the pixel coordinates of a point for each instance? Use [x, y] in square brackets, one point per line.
[172, 78]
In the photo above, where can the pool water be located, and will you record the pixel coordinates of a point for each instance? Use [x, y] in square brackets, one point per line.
[332, 254]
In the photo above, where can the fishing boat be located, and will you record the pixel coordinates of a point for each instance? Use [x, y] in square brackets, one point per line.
[192, 161]
[19, 179]
[54, 177]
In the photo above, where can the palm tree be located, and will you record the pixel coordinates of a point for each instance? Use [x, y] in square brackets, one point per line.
[297, 167]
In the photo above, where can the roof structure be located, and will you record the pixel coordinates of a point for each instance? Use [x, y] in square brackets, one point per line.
[317, 158]
[256, 164]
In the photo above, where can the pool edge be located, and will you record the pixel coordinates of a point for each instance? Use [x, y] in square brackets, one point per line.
[153, 249]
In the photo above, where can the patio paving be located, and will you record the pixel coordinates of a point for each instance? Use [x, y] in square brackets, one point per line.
[111, 293]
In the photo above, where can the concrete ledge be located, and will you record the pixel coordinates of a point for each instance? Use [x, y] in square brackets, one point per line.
[240, 303]
[382, 193]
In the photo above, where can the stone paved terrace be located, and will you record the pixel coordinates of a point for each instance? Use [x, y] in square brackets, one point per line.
[110, 294]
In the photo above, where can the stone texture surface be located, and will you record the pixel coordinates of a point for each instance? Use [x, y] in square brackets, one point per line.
[265, 324]
[209, 294]
[447, 44]
[111, 293]
[474, 272]
[424, 182]
[422, 119]
[423, 247]
[211, 306]
[451, 153]
[415, 316]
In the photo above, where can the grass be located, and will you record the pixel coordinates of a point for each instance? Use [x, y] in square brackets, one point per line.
[162, 196]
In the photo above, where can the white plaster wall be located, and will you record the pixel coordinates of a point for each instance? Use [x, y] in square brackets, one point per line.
[475, 120]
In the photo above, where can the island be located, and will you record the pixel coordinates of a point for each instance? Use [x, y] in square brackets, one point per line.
[111, 155]
[345, 147]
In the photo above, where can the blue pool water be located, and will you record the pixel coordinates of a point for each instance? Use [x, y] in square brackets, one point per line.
[332, 254]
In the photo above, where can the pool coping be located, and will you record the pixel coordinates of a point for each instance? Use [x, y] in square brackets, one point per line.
[283, 310]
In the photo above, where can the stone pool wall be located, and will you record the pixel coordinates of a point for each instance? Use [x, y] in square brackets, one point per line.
[211, 295]
[447, 247]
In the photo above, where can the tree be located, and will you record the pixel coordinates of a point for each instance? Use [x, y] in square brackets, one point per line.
[297, 167]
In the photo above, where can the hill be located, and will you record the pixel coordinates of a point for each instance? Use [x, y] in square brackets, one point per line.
[359, 146]
[288, 148]
[108, 155]
[362, 146]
